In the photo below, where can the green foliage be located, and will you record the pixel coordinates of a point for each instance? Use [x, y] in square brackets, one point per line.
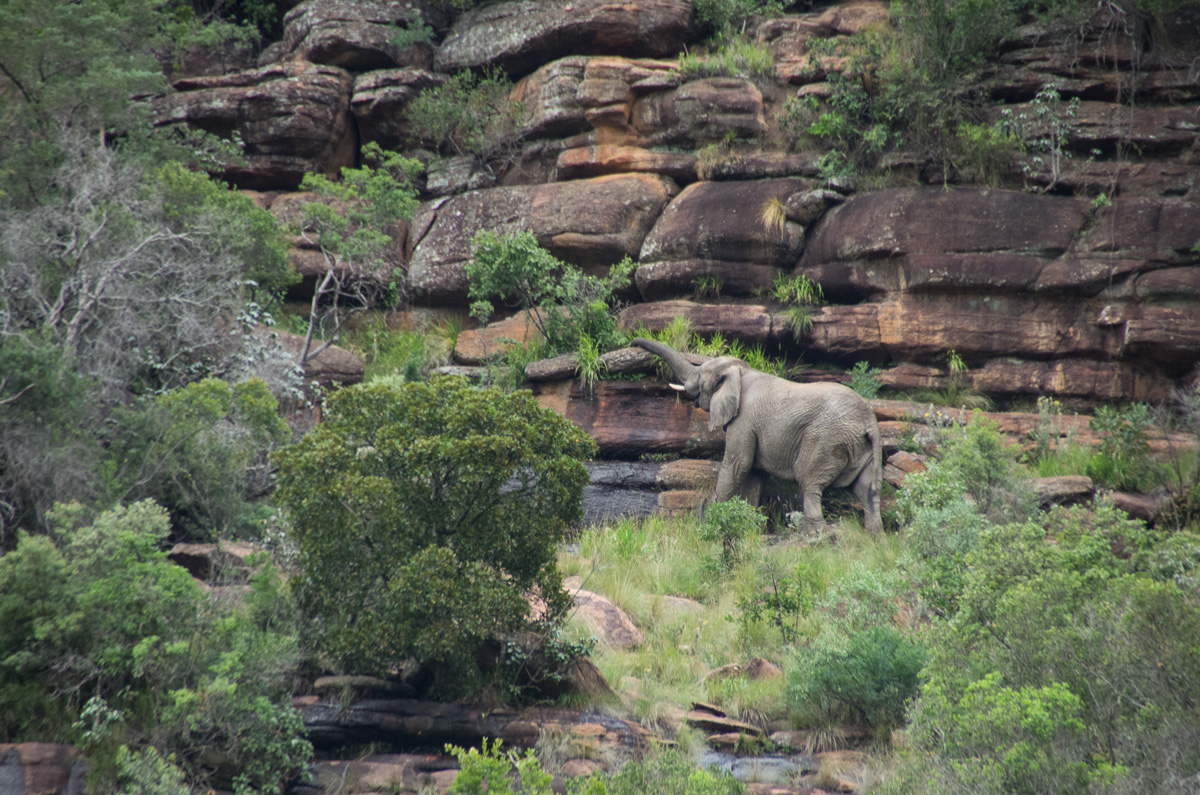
[469, 114]
[986, 153]
[973, 482]
[873, 680]
[709, 286]
[732, 523]
[108, 644]
[728, 18]
[200, 451]
[799, 295]
[489, 770]
[570, 309]
[857, 666]
[1070, 663]
[1123, 460]
[864, 379]
[670, 772]
[735, 58]
[423, 512]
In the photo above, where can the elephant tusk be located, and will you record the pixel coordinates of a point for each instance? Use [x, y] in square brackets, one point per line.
[677, 387]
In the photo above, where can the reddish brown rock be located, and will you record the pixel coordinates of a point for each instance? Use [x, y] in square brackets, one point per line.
[747, 322]
[334, 366]
[594, 161]
[354, 34]
[758, 668]
[1162, 230]
[1077, 378]
[630, 418]
[900, 465]
[930, 220]
[1063, 490]
[977, 327]
[788, 36]
[40, 769]
[588, 223]
[1170, 284]
[520, 35]
[1146, 507]
[292, 118]
[610, 624]
[687, 474]
[1169, 335]
[701, 111]
[476, 346]
[717, 229]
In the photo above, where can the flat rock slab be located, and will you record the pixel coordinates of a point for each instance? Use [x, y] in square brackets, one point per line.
[1063, 490]
[611, 625]
[520, 35]
[293, 118]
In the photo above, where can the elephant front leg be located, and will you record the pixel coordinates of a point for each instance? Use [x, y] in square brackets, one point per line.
[735, 466]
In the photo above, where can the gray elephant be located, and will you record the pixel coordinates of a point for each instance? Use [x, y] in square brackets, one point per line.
[819, 435]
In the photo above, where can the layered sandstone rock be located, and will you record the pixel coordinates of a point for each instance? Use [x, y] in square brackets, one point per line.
[291, 118]
[588, 223]
[717, 229]
[354, 34]
[520, 35]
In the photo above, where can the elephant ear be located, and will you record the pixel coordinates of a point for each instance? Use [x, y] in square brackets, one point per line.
[726, 400]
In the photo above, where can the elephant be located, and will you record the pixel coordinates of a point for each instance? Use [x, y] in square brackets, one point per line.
[819, 435]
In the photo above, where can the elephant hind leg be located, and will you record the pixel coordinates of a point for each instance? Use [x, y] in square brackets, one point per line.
[866, 489]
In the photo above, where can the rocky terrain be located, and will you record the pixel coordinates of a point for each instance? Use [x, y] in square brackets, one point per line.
[1083, 284]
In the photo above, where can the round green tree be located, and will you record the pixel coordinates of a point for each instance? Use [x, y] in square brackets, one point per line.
[425, 513]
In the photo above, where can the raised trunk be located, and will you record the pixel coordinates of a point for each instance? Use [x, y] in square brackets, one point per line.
[682, 367]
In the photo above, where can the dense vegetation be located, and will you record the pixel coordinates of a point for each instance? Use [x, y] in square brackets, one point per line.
[142, 396]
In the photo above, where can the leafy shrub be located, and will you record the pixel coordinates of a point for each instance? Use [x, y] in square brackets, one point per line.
[864, 379]
[855, 633]
[1123, 460]
[424, 512]
[732, 523]
[469, 114]
[201, 452]
[489, 770]
[872, 681]
[1092, 642]
[725, 18]
[107, 644]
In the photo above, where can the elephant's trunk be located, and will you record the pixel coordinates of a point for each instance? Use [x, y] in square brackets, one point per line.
[684, 370]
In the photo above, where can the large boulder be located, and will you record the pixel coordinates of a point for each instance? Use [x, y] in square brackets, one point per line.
[788, 37]
[915, 327]
[292, 118]
[588, 223]
[930, 220]
[41, 769]
[357, 35]
[520, 35]
[717, 229]
[701, 111]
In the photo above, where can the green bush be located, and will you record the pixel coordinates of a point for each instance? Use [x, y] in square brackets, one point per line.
[201, 452]
[106, 644]
[731, 524]
[864, 379]
[1092, 643]
[469, 114]
[1123, 460]
[424, 513]
[872, 681]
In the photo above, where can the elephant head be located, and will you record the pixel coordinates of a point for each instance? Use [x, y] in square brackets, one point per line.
[715, 385]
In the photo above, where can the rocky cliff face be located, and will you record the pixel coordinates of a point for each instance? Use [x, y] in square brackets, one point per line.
[1085, 286]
